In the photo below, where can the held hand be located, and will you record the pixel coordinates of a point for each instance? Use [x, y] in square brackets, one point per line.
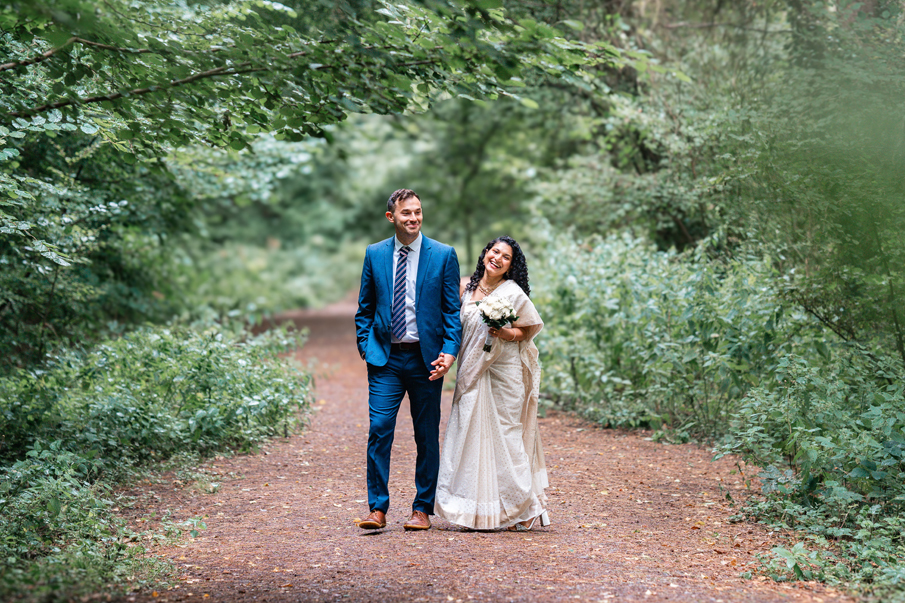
[441, 366]
[503, 333]
[506, 334]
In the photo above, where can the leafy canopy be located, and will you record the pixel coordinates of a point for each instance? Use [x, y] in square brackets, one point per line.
[159, 72]
[94, 96]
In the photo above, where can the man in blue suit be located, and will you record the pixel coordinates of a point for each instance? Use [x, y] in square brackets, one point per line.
[409, 334]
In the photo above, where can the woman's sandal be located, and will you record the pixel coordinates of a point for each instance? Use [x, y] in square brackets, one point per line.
[520, 527]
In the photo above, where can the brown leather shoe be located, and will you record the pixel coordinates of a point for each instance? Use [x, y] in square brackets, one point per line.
[418, 521]
[374, 521]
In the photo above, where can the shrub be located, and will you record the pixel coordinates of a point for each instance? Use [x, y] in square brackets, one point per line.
[638, 337]
[60, 534]
[85, 421]
[831, 441]
[699, 348]
[153, 392]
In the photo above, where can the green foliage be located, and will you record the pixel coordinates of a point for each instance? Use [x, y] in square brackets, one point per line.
[639, 337]
[648, 173]
[474, 165]
[171, 77]
[101, 107]
[817, 170]
[87, 420]
[785, 147]
[832, 444]
[85, 242]
[250, 283]
[154, 392]
[696, 347]
[283, 226]
[60, 534]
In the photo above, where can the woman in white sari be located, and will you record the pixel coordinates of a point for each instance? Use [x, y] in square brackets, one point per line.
[492, 472]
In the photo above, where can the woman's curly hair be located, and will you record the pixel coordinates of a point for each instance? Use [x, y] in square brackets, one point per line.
[518, 269]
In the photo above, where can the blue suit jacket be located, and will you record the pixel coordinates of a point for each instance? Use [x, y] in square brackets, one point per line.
[436, 302]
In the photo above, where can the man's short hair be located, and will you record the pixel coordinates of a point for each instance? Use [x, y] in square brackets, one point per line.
[401, 195]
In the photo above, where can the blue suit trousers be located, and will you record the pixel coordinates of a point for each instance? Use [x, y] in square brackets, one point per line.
[404, 373]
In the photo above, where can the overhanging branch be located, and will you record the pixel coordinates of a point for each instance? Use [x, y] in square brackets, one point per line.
[238, 69]
[229, 70]
[73, 40]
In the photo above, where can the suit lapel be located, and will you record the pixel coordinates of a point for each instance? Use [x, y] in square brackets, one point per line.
[426, 246]
[388, 265]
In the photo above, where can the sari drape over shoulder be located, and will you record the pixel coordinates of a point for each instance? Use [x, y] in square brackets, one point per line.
[492, 471]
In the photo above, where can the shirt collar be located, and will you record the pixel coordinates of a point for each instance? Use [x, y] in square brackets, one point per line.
[414, 245]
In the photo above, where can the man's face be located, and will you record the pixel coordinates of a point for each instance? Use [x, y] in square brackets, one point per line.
[406, 217]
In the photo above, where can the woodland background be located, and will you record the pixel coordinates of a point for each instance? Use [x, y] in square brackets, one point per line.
[711, 194]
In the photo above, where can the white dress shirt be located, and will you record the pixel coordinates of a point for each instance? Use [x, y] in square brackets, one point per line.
[411, 273]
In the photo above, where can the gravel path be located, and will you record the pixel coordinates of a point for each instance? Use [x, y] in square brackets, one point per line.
[632, 520]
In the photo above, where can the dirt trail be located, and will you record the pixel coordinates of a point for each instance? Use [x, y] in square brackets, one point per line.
[633, 520]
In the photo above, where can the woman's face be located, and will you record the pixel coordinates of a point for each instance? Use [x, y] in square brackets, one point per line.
[497, 260]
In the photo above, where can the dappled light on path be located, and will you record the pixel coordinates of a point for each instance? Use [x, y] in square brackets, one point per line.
[633, 520]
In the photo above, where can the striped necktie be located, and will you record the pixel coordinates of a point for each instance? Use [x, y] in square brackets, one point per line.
[398, 316]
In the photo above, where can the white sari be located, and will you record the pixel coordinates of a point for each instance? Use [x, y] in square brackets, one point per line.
[492, 471]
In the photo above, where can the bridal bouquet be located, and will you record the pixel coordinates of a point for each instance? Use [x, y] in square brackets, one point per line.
[495, 312]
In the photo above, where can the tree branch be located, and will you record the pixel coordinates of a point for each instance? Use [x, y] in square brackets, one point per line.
[73, 40]
[118, 49]
[138, 91]
[238, 69]
[848, 337]
[37, 59]
[76, 40]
